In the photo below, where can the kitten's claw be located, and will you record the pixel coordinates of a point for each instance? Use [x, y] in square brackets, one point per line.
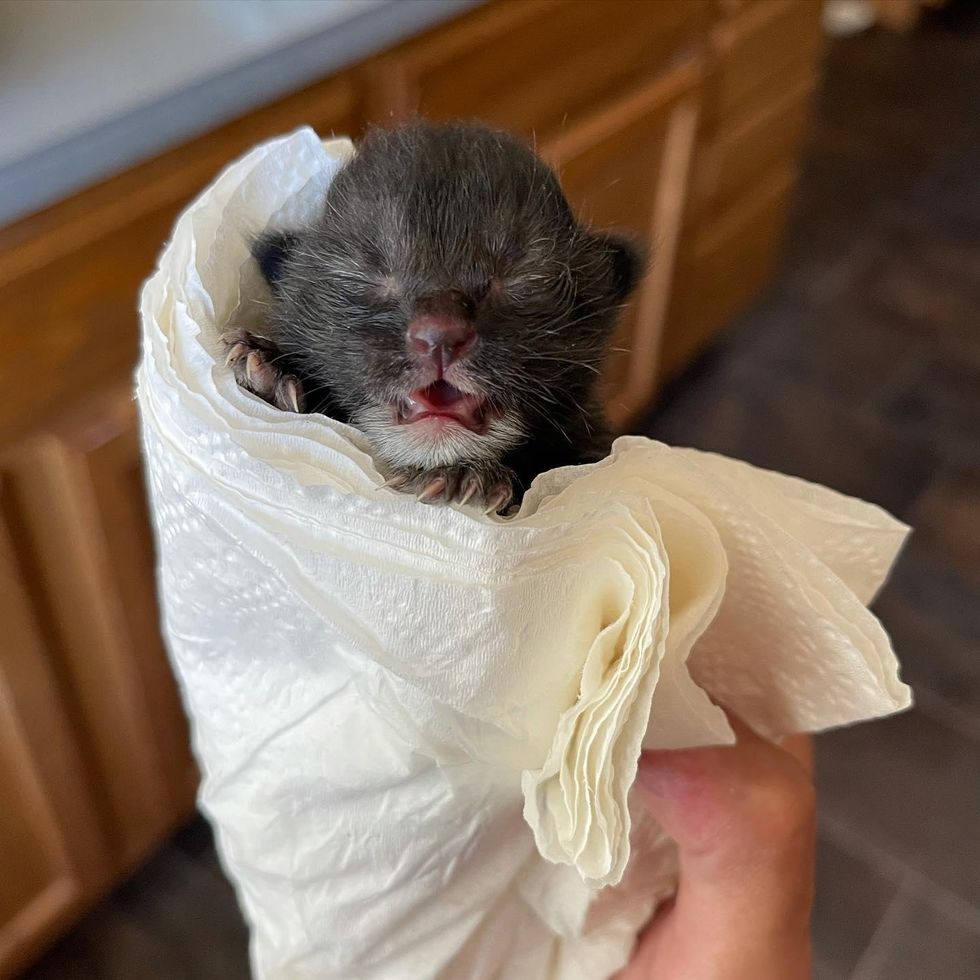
[470, 486]
[255, 371]
[432, 491]
[498, 499]
[235, 352]
[490, 486]
[292, 394]
[253, 361]
[397, 480]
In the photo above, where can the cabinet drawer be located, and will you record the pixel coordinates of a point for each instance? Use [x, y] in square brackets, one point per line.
[626, 169]
[733, 161]
[770, 48]
[536, 67]
[725, 265]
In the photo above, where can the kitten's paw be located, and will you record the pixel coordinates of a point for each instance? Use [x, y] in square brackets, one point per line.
[489, 486]
[253, 361]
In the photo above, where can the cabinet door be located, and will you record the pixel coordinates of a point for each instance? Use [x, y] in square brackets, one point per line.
[764, 51]
[77, 492]
[52, 856]
[626, 168]
[108, 447]
[761, 68]
[722, 266]
[538, 66]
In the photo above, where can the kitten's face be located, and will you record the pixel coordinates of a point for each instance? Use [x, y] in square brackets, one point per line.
[448, 304]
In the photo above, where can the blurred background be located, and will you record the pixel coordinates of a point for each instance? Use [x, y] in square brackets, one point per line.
[808, 176]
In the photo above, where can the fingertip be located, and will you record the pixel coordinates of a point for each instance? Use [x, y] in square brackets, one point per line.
[800, 747]
[727, 796]
[679, 788]
[658, 772]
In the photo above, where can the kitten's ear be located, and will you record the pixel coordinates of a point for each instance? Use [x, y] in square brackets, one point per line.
[627, 262]
[271, 249]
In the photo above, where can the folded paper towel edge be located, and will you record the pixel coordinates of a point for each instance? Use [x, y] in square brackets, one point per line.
[307, 130]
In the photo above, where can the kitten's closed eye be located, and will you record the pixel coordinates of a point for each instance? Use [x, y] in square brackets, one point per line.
[450, 306]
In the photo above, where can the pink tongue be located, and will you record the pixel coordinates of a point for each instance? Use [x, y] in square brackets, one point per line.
[443, 399]
[439, 396]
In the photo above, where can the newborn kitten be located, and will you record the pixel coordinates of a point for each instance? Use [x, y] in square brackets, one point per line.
[447, 304]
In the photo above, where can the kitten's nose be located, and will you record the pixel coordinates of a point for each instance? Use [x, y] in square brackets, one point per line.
[442, 336]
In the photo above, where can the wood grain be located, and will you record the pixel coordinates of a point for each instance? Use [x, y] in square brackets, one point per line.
[538, 68]
[626, 168]
[104, 438]
[751, 145]
[52, 853]
[72, 583]
[727, 264]
[766, 50]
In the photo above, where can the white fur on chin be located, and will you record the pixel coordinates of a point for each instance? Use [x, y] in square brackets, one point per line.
[417, 446]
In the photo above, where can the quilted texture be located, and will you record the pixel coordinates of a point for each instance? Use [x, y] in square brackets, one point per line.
[419, 726]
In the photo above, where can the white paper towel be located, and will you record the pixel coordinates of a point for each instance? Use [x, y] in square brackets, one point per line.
[418, 726]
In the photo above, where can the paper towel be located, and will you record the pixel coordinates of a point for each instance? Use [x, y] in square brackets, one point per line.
[418, 726]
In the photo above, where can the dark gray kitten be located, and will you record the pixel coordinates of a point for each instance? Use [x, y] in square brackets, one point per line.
[447, 304]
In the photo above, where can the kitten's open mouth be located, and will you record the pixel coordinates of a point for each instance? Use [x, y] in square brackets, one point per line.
[440, 400]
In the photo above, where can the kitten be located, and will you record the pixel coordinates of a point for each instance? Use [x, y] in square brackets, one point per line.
[447, 304]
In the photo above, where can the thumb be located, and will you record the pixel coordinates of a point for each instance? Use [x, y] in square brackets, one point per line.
[743, 819]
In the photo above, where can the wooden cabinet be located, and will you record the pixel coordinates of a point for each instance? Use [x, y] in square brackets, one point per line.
[102, 450]
[763, 51]
[95, 767]
[536, 68]
[678, 121]
[760, 69]
[722, 266]
[626, 167]
[76, 494]
[52, 855]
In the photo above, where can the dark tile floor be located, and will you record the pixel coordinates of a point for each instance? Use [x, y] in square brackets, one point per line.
[859, 368]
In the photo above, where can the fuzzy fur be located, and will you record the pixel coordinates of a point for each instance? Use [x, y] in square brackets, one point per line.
[470, 213]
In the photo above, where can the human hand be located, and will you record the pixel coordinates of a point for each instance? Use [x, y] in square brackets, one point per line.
[743, 817]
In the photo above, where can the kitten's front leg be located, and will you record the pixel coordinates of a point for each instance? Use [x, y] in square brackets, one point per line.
[257, 366]
[488, 484]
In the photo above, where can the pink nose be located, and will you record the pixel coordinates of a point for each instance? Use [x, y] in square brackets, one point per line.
[443, 337]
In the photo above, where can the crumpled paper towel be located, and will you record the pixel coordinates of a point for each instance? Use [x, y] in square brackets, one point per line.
[418, 726]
